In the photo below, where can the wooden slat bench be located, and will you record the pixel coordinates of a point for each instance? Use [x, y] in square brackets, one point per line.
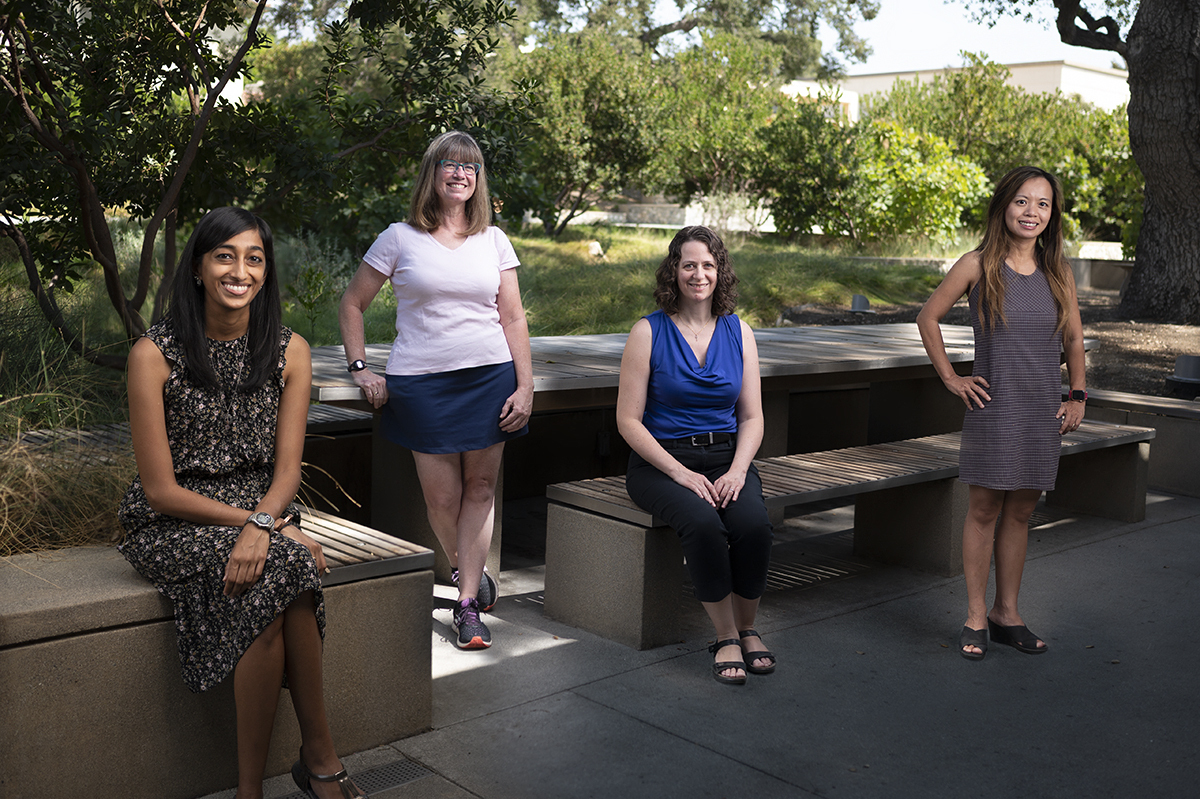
[611, 568]
[93, 702]
[1175, 467]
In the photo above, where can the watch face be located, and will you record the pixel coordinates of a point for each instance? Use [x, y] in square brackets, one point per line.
[262, 519]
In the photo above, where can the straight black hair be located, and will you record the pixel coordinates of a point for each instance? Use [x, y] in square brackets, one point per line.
[187, 300]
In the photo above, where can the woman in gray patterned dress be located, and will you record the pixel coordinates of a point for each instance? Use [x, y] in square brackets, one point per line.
[1025, 315]
[218, 399]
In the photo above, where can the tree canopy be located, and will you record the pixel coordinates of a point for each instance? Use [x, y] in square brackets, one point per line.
[124, 106]
[1157, 40]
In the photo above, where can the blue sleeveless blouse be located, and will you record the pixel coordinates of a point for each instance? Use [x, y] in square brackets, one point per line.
[684, 398]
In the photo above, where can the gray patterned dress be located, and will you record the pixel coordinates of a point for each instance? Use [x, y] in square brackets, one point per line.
[1013, 441]
[222, 446]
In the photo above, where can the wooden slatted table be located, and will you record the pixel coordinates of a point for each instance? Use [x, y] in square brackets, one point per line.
[611, 566]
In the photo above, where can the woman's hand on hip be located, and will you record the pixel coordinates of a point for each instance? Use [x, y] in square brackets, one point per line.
[696, 483]
[517, 410]
[373, 386]
[1070, 414]
[969, 389]
[245, 564]
[729, 487]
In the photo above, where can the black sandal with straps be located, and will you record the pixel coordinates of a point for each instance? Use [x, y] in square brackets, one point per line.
[762, 654]
[726, 665]
[304, 779]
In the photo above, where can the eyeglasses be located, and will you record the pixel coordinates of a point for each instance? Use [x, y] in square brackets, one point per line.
[450, 167]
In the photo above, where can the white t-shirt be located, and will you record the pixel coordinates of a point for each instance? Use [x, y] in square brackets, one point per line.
[446, 312]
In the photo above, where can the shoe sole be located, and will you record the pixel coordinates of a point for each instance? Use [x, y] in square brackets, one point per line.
[474, 643]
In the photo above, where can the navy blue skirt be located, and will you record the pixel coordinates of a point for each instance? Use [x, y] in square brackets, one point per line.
[446, 412]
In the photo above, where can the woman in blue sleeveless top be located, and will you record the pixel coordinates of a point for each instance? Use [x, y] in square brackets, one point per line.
[690, 407]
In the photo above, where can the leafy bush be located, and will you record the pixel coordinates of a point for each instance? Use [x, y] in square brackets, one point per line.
[870, 181]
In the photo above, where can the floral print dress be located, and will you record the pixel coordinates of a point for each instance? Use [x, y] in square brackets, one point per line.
[222, 446]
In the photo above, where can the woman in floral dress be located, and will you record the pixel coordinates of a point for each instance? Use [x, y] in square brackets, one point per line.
[218, 398]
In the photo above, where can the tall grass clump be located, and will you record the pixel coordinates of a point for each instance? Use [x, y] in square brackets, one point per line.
[61, 494]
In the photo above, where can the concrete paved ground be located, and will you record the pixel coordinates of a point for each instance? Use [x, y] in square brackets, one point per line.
[870, 699]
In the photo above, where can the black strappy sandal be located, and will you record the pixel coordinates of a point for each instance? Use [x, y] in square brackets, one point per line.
[721, 666]
[750, 657]
[304, 779]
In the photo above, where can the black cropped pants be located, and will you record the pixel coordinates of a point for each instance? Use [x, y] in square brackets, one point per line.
[727, 549]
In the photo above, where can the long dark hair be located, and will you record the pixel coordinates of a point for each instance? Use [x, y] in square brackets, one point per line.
[187, 300]
[666, 292]
[997, 239]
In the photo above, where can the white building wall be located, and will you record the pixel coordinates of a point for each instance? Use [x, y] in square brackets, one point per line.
[1103, 88]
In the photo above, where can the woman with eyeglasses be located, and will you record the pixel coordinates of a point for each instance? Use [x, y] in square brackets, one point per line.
[459, 380]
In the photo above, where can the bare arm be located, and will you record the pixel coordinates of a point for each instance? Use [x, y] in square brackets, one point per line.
[965, 273]
[631, 404]
[518, 407]
[362, 290]
[1071, 412]
[750, 422]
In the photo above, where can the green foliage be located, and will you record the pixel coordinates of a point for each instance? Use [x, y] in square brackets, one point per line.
[716, 96]
[596, 126]
[787, 26]
[1000, 127]
[809, 168]
[870, 181]
[117, 104]
[915, 184]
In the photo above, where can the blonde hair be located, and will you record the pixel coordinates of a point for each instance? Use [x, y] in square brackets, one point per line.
[998, 239]
[425, 210]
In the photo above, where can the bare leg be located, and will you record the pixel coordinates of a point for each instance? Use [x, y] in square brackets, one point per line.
[1012, 541]
[302, 662]
[460, 492]
[257, 679]
[744, 612]
[721, 614]
[983, 506]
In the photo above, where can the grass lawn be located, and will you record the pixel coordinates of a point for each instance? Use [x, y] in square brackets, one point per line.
[566, 291]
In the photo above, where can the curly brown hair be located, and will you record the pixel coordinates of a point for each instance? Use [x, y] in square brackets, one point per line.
[666, 292]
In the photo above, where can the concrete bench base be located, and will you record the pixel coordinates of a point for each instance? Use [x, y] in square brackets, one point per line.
[1173, 468]
[94, 705]
[616, 571]
[604, 577]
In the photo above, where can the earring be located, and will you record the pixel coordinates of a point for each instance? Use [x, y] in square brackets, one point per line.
[196, 280]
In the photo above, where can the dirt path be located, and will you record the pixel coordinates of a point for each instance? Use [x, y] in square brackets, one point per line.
[1131, 356]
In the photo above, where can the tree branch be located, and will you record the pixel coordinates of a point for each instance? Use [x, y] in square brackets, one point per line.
[686, 25]
[171, 196]
[1099, 34]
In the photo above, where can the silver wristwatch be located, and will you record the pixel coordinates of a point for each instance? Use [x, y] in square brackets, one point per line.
[262, 519]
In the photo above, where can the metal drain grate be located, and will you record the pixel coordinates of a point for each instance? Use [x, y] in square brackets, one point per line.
[383, 778]
[805, 569]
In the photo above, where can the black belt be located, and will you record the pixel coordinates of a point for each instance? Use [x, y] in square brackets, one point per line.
[698, 440]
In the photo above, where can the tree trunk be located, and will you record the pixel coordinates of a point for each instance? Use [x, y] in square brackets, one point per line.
[1164, 135]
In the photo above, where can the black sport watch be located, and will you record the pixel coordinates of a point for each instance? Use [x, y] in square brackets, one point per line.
[357, 366]
[1078, 395]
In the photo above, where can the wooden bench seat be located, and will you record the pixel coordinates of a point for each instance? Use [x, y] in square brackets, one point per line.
[611, 567]
[94, 704]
